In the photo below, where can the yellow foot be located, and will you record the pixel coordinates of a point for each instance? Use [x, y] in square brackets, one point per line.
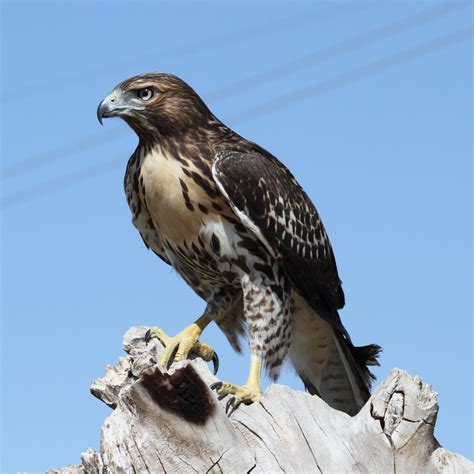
[178, 347]
[241, 394]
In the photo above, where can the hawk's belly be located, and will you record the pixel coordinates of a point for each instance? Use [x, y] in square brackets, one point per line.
[211, 260]
[191, 220]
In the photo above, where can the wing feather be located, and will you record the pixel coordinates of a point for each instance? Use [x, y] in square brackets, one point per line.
[271, 204]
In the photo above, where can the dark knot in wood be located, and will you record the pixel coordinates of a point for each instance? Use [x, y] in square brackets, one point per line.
[181, 392]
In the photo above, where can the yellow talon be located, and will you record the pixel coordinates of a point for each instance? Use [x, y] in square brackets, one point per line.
[178, 347]
[249, 393]
[157, 333]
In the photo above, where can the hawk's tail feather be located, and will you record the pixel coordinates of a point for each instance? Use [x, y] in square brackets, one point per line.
[367, 356]
[359, 359]
[329, 364]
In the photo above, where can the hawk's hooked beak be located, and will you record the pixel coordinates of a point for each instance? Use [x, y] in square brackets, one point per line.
[102, 111]
[107, 108]
[112, 106]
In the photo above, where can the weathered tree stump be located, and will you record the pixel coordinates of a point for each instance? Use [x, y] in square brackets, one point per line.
[172, 422]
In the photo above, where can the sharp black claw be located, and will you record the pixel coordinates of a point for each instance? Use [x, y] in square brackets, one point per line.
[216, 386]
[148, 336]
[215, 361]
[229, 408]
[221, 397]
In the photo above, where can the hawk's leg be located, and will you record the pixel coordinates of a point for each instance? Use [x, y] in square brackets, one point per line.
[178, 347]
[267, 312]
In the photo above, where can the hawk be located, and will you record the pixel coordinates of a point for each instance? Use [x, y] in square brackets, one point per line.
[233, 221]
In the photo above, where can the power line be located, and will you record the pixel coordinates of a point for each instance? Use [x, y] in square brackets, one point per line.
[354, 75]
[346, 45]
[342, 47]
[183, 50]
[283, 101]
[60, 182]
[50, 157]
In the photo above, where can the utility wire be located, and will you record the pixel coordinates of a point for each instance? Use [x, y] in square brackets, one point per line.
[198, 46]
[283, 101]
[354, 75]
[342, 47]
[38, 161]
[61, 182]
[347, 45]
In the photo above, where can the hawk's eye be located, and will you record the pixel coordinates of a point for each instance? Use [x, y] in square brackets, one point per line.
[145, 94]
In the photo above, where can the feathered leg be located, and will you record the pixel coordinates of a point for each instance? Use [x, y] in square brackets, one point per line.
[267, 313]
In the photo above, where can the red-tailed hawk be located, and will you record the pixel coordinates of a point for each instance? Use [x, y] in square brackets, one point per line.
[236, 225]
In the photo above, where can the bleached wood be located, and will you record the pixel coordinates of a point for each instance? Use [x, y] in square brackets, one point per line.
[288, 431]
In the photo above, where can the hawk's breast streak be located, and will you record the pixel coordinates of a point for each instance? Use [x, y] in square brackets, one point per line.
[163, 192]
[184, 218]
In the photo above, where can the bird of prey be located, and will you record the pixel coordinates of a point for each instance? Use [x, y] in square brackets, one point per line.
[233, 221]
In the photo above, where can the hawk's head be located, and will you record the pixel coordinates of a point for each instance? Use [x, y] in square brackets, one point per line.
[155, 105]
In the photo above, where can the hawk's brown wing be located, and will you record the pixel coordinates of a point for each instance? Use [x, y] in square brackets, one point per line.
[270, 203]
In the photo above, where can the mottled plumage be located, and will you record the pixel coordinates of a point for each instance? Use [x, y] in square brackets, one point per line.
[236, 225]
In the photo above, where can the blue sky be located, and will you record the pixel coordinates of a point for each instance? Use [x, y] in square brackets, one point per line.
[383, 147]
